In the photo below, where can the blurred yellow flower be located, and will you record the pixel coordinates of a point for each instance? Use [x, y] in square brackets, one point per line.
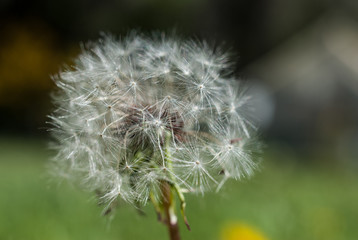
[241, 231]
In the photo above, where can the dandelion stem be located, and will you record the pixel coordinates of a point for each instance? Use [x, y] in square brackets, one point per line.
[168, 205]
[167, 193]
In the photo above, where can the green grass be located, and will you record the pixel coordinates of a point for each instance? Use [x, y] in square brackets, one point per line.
[284, 201]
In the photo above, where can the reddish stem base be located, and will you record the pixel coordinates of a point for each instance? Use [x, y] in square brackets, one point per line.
[173, 227]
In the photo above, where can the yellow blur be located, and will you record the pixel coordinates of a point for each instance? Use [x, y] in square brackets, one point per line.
[241, 231]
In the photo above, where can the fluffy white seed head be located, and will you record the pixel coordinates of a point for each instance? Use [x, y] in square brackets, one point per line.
[134, 112]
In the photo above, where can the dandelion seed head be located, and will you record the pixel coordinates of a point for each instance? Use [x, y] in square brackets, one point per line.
[136, 111]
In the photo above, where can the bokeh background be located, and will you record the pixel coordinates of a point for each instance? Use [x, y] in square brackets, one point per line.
[300, 59]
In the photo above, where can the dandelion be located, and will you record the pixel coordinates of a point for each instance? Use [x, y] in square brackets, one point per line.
[143, 119]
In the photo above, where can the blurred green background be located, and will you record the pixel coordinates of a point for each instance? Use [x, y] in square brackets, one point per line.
[299, 58]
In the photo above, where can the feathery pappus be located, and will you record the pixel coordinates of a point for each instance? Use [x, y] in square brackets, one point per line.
[135, 112]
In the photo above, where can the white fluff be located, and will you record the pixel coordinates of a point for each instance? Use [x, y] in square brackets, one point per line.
[136, 111]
